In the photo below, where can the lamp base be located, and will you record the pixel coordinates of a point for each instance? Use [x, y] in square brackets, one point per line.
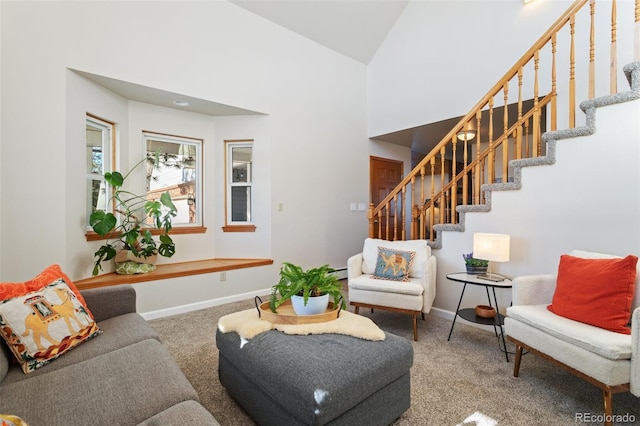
[491, 277]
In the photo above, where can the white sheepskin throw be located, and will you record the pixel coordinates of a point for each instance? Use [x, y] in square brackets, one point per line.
[248, 324]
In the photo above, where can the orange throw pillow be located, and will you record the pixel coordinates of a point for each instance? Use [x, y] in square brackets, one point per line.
[598, 292]
[46, 277]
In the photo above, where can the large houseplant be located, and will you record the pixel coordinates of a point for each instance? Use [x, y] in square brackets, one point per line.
[131, 228]
[315, 282]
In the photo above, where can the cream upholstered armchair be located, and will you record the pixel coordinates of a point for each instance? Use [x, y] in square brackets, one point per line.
[607, 359]
[412, 294]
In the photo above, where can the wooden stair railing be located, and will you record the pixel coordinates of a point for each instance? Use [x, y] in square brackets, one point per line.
[457, 167]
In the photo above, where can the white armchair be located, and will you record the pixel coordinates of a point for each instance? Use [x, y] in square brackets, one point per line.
[414, 297]
[604, 358]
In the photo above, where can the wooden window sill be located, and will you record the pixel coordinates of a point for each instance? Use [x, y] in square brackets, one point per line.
[239, 228]
[176, 230]
[171, 270]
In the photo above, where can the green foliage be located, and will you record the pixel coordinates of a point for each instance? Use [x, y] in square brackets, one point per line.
[132, 228]
[471, 261]
[314, 282]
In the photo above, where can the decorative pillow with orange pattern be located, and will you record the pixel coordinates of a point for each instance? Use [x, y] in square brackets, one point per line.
[42, 325]
[47, 276]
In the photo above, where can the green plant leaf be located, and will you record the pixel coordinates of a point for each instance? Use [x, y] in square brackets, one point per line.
[102, 222]
[114, 179]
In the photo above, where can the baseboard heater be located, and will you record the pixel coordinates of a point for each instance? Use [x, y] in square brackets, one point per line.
[341, 273]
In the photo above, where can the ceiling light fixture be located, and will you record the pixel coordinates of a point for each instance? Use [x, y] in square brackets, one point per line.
[466, 135]
[181, 103]
[527, 1]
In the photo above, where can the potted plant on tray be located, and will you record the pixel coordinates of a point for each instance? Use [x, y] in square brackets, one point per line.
[134, 249]
[475, 266]
[309, 290]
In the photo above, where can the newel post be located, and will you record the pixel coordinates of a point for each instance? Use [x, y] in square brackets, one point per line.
[371, 223]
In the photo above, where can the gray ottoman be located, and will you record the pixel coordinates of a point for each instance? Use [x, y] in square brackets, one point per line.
[326, 379]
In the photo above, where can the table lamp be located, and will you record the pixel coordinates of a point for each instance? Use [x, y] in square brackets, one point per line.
[491, 247]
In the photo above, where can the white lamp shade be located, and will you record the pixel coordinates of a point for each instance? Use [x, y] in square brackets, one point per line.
[493, 247]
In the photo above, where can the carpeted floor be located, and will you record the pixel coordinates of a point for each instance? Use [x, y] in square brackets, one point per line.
[450, 381]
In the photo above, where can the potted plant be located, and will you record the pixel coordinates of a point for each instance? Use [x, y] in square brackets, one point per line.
[131, 229]
[475, 266]
[311, 288]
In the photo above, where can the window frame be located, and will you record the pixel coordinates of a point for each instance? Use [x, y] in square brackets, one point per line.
[185, 227]
[108, 160]
[230, 225]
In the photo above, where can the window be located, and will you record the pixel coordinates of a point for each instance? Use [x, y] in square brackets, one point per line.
[99, 143]
[239, 186]
[178, 170]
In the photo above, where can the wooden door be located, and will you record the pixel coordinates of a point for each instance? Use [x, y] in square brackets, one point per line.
[385, 175]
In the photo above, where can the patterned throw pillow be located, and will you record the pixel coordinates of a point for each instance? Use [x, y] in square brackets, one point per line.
[41, 325]
[393, 264]
[49, 275]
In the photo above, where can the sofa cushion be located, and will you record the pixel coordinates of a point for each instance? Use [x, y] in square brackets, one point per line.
[605, 343]
[596, 291]
[117, 332]
[187, 413]
[40, 326]
[122, 387]
[393, 264]
[417, 269]
[367, 282]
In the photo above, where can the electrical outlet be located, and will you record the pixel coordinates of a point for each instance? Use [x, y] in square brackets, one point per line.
[223, 276]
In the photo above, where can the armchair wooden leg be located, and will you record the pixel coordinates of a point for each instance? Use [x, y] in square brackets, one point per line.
[357, 310]
[423, 317]
[607, 397]
[516, 362]
[415, 327]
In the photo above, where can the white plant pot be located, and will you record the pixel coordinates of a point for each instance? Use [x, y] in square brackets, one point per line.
[315, 305]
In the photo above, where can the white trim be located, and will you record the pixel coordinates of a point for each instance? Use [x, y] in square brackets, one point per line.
[161, 313]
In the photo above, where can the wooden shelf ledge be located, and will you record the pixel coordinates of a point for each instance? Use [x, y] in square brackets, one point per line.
[172, 270]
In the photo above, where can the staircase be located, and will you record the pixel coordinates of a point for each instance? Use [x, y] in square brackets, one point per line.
[488, 148]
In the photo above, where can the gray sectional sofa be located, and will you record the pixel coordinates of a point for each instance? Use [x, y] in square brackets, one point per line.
[124, 376]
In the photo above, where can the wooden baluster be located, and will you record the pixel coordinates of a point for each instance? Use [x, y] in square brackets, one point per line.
[636, 32]
[490, 159]
[572, 74]
[592, 63]
[387, 214]
[465, 176]
[536, 106]
[554, 91]
[442, 168]
[403, 221]
[505, 130]
[478, 174]
[614, 48]
[422, 199]
[442, 202]
[433, 193]
[370, 216]
[454, 187]
[527, 142]
[518, 137]
[395, 217]
[414, 208]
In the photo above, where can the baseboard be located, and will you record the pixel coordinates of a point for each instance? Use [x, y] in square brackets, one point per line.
[341, 273]
[161, 313]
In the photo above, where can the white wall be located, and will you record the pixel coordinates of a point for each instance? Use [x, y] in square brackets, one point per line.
[314, 101]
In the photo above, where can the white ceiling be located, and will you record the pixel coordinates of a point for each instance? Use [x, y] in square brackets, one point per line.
[354, 28]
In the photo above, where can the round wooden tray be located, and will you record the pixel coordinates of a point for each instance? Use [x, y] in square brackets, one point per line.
[286, 315]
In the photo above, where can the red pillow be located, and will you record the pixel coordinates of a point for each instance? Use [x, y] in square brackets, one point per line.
[49, 275]
[596, 291]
